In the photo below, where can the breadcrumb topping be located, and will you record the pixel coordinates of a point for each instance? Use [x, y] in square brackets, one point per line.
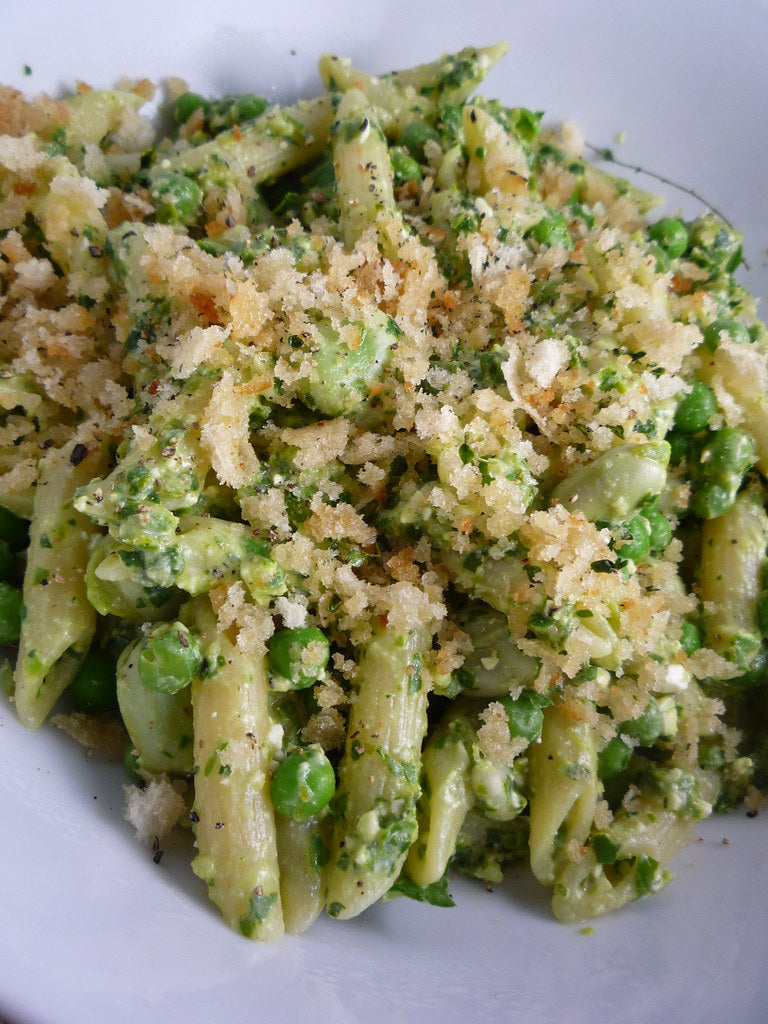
[154, 809]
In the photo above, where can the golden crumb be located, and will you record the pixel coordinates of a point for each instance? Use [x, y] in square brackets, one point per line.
[102, 732]
[155, 808]
[493, 736]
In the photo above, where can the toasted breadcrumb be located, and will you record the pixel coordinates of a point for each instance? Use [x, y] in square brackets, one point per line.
[102, 733]
[225, 434]
[154, 809]
[493, 736]
[327, 727]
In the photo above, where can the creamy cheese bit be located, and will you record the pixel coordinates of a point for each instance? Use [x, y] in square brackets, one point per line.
[396, 479]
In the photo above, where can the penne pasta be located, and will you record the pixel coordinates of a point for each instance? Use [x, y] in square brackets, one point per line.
[379, 773]
[234, 822]
[58, 622]
[564, 792]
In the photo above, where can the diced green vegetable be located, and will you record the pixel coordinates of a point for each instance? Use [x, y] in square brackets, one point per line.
[303, 784]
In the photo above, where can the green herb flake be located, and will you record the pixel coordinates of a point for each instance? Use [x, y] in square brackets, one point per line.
[317, 854]
[259, 907]
[400, 769]
[606, 851]
[436, 893]
[646, 875]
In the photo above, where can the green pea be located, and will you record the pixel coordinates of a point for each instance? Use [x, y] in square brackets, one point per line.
[524, 715]
[636, 539]
[415, 136]
[170, 658]
[714, 245]
[13, 530]
[552, 230]
[94, 688]
[690, 637]
[404, 167]
[187, 104]
[710, 500]
[298, 656]
[697, 408]
[679, 447]
[176, 197]
[722, 465]
[647, 728]
[231, 110]
[613, 758]
[735, 330]
[248, 107]
[660, 531]
[303, 784]
[10, 613]
[730, 451]
[671, 234]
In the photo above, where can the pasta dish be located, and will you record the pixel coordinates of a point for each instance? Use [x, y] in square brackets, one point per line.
[388, 481]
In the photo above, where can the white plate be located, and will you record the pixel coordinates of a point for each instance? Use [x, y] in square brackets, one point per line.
[91, 930]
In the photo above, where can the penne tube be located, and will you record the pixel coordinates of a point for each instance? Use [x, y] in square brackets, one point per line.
[282, 139]
[379, 773]
[58, 621]
[302, 849]
[446, 798]
[234, 822]
[563, 787]
[364, 175]
[622, 864]
[733, 558]
[402, 97]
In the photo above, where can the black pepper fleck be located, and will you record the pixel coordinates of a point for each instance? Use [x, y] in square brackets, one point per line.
[77, 454]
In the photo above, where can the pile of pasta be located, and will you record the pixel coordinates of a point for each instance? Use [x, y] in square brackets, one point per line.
[382, 478]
